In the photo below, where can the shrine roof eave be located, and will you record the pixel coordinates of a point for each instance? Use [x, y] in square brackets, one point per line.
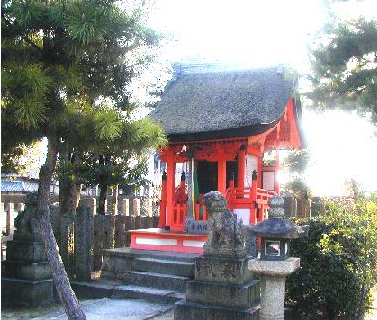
[240, 132]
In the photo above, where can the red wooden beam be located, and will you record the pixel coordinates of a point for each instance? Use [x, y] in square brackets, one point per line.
[241, 169]
[221, 176]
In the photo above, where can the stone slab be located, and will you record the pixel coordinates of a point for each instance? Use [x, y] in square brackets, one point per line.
[156, 280]
[97, 289]
[178, 268]
[274, 268]
[231, 295]
[27, 271]
[184, 310]
[25, 292]
[221, 269]
[25, 251]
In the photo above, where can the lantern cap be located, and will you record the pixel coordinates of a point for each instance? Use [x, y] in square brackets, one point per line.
[276, 226]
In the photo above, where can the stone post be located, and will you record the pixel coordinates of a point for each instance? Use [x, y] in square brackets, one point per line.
[67, 242]
[145, 207]
[272, 292]
[304, 208]
[84, 242]
[9, 207]
[125, 207]
[99, 239]
[120, 232]
[318, 206]
[3, 217]
[136, 207]
[91, 202]
[290, 207]
[150, 207]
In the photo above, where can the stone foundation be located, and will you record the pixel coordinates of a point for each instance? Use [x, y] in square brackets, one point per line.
[223, 288]
[27, 277]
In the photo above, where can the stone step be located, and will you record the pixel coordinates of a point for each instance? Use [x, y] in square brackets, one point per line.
[116, 290]
[150, 294]
[158, 265]
[156, 280]
[187, 310]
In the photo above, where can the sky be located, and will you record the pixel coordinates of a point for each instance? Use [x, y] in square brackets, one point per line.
[270, 32]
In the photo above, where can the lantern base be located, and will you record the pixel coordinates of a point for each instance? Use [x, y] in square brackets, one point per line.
[275, 268]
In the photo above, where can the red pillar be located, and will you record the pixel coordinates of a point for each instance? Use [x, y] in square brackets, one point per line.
[253, 209]
[259, 171]
[170, 184]
[241, 170]
[162, 218]
[277, 164]
[221, 176]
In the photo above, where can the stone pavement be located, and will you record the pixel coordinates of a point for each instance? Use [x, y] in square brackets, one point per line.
[125, 309]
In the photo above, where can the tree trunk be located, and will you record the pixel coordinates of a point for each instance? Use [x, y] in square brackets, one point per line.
[65, 292]
[102, 199]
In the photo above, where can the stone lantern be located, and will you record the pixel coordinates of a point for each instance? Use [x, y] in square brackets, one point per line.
[275, 263]
[276, 232]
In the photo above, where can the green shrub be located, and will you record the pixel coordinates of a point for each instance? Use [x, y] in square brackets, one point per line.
[338, 260]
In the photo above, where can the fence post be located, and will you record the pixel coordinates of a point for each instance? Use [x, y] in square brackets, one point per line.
[9, 207]
[67, 242]
[99, 236]
[318, 206]
[120, 232]
[3, 217]
[136, 207]
[109, 232]
[290, 207]
[146, 207]
[84, 242]
[91, 202]
[125, 207]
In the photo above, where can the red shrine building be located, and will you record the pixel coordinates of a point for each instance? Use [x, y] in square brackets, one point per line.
[225, 128]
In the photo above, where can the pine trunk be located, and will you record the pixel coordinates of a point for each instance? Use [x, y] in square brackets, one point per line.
[65, 292]
[102, 199]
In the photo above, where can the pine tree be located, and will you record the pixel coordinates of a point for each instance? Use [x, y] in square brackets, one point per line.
[344, 66]
[59, 60]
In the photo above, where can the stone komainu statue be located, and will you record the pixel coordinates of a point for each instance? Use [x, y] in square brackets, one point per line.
[26, 226]
[227, 236]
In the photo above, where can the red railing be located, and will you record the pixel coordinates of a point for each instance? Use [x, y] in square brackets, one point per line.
[254, 198]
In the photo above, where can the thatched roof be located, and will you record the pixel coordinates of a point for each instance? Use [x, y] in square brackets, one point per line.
[206, 102]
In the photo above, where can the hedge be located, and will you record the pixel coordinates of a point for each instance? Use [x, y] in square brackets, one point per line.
[338, 263]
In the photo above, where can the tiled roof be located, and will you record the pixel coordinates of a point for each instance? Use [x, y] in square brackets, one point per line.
[18, 186]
